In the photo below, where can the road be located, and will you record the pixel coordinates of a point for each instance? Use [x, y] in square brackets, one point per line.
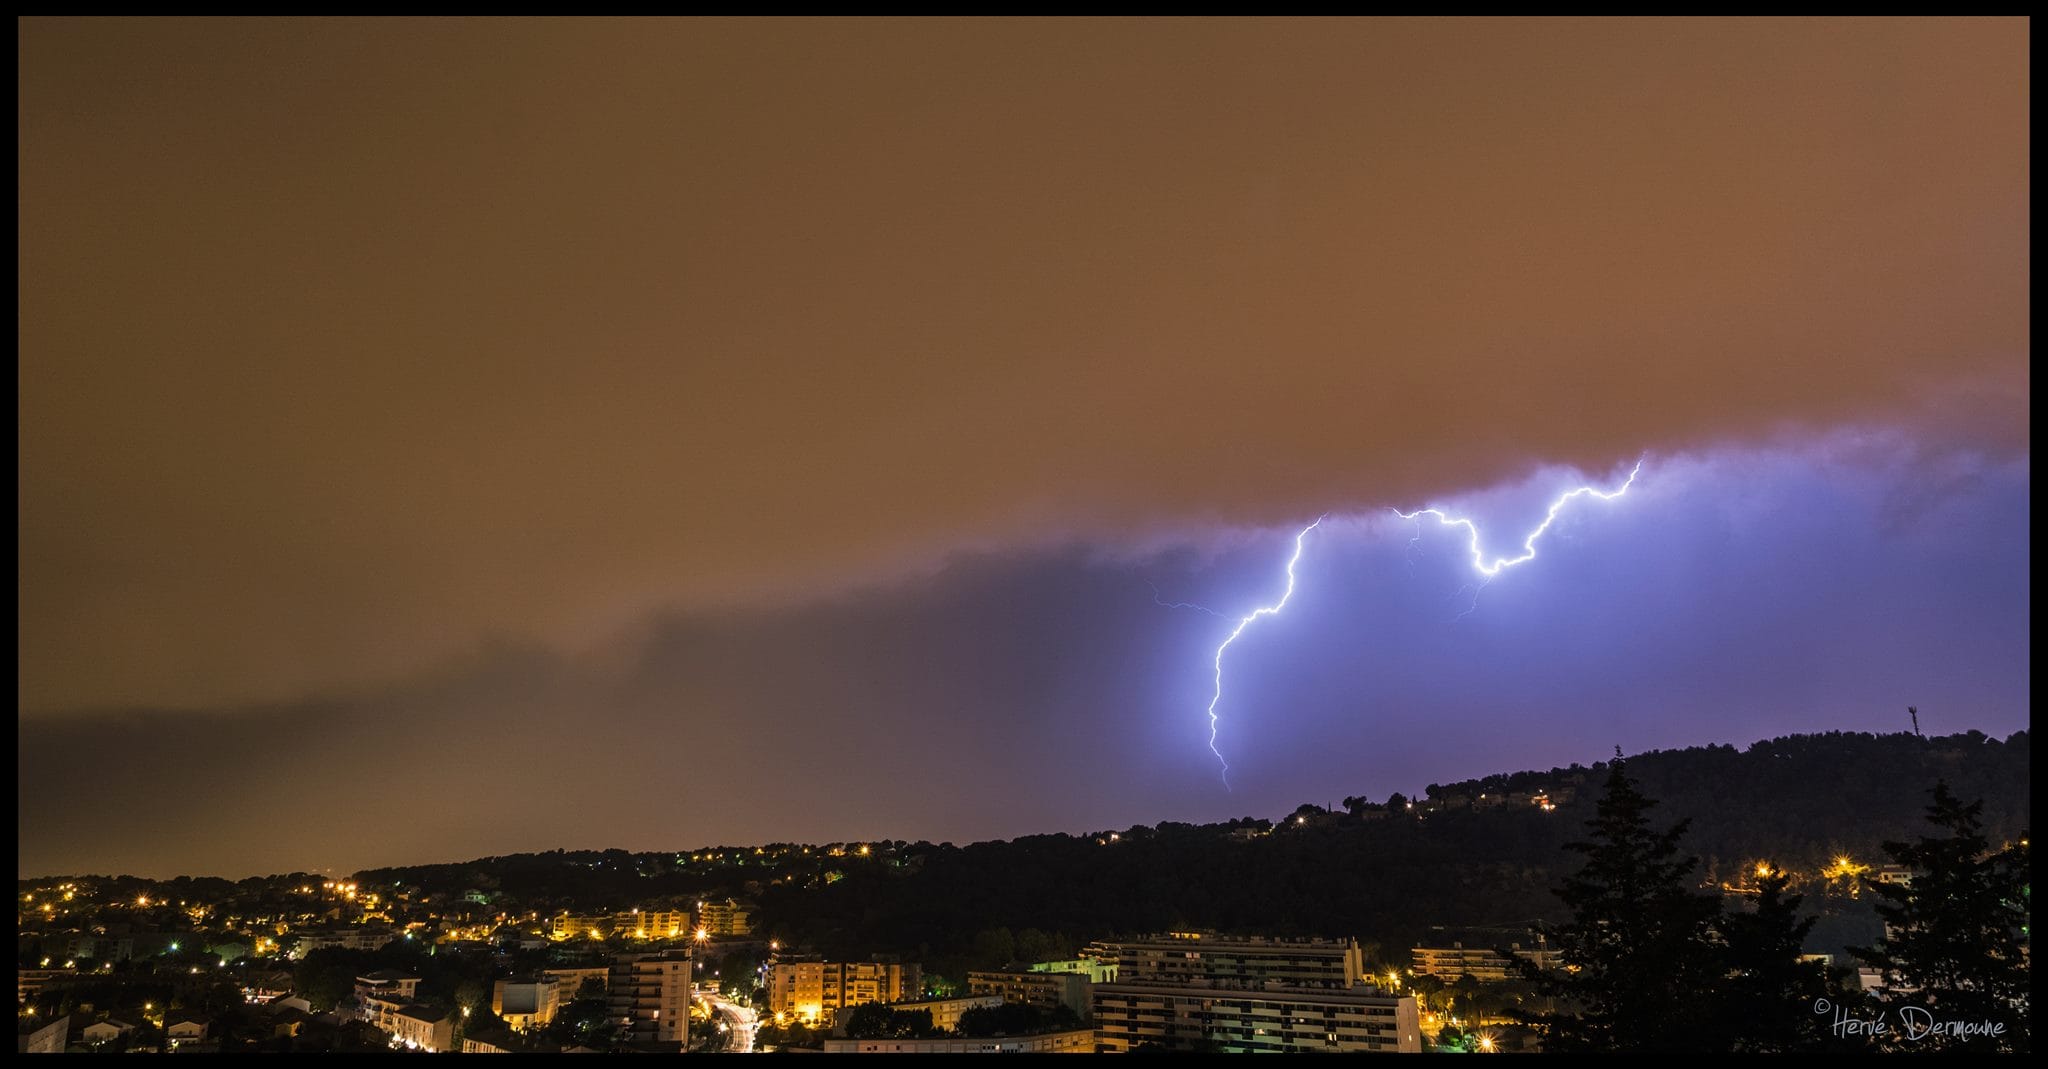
[740, 1022]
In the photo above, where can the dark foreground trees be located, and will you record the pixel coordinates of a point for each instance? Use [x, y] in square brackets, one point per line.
[876, 1020]
[1652, 965]
[1953, 958]
[1638, 951]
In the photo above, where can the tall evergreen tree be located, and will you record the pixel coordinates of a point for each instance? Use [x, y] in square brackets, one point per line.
[1955, 936]
[1765, 1001]
[1638, 953]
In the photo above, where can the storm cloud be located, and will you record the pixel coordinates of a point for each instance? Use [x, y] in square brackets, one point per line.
[398, 389]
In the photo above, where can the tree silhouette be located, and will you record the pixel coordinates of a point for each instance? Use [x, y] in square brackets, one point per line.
[875, 1020]
[1639, 962]
[1766, 1000]
[1954, 950]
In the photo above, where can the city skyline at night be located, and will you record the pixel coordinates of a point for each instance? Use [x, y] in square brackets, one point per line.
[954, 535]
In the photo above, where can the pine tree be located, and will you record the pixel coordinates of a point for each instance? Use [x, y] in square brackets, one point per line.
[1766, 1000]
[1955, 936]
[1638, 953]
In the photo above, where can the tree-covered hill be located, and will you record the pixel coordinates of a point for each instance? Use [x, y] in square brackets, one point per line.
[1387, 874]
[1481, 853]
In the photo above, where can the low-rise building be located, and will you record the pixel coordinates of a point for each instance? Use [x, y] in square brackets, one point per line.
[724, 918]
[43, 1037]
[1042, 989]
[286, 1021]
[570, 982]
[381, 1011]
[348, 937]
[526, 1002]
[945, 1012]
[92, 946]
[28, 983]
[387, 984]
[427, 1028]
[1100, 970]
[633, 924]
[1482, 963]
[105, 1031]
[185, 1030]
[493, 1042]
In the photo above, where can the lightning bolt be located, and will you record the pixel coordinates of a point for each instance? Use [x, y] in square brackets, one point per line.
[1487, 571]
[1162, 602]
[1501, 564]
[1269, 610]
[1474, 606]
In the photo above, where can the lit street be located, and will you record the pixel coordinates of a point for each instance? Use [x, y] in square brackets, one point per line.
[736, 1022]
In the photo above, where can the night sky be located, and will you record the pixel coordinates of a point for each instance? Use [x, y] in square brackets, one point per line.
[446, 438]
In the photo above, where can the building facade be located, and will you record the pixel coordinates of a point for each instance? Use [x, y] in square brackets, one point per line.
[526, 1002]
[47, 1038]
[815, 990]
[187, 1032]
[946, 1011]
[1101, 970]
[1202, 992]
[345, 938]
[569, 983]
[1192, 1017]
[1205, 957]
[1042, 989]
[632, 924]
[1482, 963]
[388, 984]
[106, 1031]
[650, 995]
[381, 1011]
[1081, 1041]
[425, 1028]
[725, 918]
[28, 983]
